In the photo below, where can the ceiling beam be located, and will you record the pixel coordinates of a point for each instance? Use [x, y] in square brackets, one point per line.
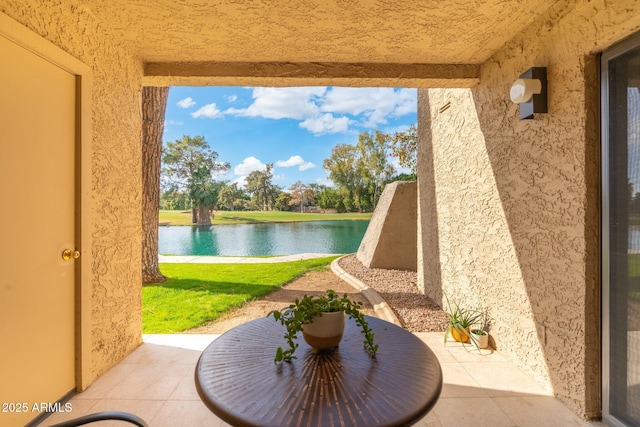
[310, 74]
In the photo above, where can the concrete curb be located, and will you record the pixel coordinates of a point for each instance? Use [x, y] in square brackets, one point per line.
[380, 306]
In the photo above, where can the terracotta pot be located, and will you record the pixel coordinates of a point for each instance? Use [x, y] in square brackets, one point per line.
[459, 336]
[326, 330]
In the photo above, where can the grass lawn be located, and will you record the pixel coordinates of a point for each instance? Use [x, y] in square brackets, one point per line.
[634, 276]
[634, 265]
[168, 217]
[198, 293]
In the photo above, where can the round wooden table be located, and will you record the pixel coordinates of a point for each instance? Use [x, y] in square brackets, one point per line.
[238, 380]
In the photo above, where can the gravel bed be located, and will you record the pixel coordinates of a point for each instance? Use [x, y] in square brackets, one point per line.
[399, 289]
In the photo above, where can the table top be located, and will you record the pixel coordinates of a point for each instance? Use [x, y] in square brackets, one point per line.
[238, 380]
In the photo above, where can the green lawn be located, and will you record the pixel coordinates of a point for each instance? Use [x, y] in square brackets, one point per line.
[198, 293]
[168, 217]
[634, 276]
[634, 265]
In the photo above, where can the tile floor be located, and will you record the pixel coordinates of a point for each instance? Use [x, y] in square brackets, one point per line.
[156, 382]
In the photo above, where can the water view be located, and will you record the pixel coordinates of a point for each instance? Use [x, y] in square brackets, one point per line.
[336, 237]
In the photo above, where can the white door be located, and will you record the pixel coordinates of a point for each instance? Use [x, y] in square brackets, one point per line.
[37, 198]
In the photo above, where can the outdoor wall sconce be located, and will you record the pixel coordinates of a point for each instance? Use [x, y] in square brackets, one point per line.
[530, 92]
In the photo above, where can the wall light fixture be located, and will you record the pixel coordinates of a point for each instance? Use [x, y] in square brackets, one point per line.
[530, 92]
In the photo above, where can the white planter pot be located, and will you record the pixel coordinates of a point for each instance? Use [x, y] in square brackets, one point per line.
[480, 341]
[326, 330]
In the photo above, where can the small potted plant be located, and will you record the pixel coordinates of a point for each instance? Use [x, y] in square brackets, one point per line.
[480, 338]
[321, 319]
[461, 320]
[480, 332]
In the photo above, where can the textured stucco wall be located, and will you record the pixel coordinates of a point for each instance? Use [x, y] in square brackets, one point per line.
[459, 31]
[116, 165]
[390, 240]
[508, 209]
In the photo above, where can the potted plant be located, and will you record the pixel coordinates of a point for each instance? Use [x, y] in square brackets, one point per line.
[321, 320]
[480, 332]
[460, 321]
[480, 338]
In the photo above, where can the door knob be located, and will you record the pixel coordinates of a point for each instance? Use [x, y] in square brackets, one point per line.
[68, 254]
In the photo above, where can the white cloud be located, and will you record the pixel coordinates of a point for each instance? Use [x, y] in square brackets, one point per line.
[347, 101]
[305, 166]
[279, 177]
[406, 105]
[186, 103]
[321, 110]
[240, 181]
[326, 123]
[295, 161]
[209, 111]
[324, 181]
[375, 104]
[232, 98]
[249, 165]
[292, 161]
[227, 176]
[394, 129]
[282, 103]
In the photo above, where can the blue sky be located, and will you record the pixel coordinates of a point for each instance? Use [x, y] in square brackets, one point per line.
[294, 128]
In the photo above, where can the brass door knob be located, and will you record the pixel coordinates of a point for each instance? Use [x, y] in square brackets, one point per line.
[68, 254]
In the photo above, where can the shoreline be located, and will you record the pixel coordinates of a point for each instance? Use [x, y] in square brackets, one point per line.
[183, 218]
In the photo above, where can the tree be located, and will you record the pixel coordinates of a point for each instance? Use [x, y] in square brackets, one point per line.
[260, 186]
[360, 171]
[154, 103]
[174, 199]
[328, 198]
[404, 146]
[190, 164]
[404, 177]
[301, 194]
[634, 199]
[343, 170]
[374, 166]
[317, 188]
[231, 197]
[204, 191]
[282, 202]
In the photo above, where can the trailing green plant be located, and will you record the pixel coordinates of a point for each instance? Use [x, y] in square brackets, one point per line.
[304, 310]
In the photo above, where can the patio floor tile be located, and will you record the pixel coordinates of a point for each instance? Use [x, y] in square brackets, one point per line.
[156, 382]
[190, 413]
[145, 409]
[501, 379]
[106, 382]
[535, 411]
[151, 382]
[80, 407]
[429, 421]
[186, 389]
[471, 411]
[458, 382]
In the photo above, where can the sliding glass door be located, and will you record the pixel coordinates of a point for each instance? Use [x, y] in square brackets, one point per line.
[621, 233]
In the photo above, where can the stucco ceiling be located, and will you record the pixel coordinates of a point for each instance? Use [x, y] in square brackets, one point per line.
[332, 31]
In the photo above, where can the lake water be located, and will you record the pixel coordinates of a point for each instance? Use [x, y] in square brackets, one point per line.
[335, 237]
